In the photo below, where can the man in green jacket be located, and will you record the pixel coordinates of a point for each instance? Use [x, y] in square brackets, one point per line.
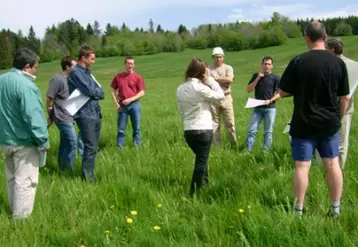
[23, 134]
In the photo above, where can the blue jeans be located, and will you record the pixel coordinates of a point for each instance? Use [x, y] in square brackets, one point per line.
[90, 133]
[67, 149]
[268, 115]
[132, 110]
[80, 145]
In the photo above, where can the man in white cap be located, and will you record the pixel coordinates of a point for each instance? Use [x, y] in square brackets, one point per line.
[224, 75]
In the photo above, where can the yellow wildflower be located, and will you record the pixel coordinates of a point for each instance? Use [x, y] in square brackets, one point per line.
[106, 232]
[133, 213]
[156, 228]
[241, 211]
[129, 220]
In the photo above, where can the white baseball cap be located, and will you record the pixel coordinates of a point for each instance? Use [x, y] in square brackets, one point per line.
[218, 51]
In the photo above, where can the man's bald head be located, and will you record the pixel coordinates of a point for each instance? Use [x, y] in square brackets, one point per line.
[315, 31]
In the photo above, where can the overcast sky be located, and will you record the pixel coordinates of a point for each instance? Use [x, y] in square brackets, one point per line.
[20, 14]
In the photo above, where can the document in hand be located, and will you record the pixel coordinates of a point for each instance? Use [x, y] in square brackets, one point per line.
[77, 100]
[287, 128]
[42, 158]
[254, 102]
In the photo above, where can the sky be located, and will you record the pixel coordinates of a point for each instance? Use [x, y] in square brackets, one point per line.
[20, 14]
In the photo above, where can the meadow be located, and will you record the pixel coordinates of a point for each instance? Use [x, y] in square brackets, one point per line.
[248, 203]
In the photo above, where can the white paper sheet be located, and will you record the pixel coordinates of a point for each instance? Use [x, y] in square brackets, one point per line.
[42, 158]
[77, 100]
[286, 129]
[254, 102]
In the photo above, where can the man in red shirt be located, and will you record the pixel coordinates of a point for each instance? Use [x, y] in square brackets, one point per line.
[127, 88]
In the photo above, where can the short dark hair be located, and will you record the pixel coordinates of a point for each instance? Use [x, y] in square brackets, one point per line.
[315, 31]
[85, 51]
[128, 58]
[66, 61]
[24, 56]
[267, 58]
[336, 45]
[196, 69]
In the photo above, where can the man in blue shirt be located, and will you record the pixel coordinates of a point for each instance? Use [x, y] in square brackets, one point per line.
[88, 118]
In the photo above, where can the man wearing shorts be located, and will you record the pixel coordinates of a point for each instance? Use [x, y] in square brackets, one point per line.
[318, 82]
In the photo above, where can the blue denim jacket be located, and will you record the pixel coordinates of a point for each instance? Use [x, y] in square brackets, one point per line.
[80, 78]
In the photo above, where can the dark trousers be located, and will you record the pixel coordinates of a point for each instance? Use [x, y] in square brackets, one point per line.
[90, 133]
[200, 143]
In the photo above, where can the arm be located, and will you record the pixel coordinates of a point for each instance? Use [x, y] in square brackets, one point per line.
[227, 79]
[139, 95]
[343, 91]
[33, 115]
[253, 82]
[53, 89]
[86, 87]
[140, 89]
[49, 107]
[213, 92]
[277, 94]
[343, 104]
[115, 99]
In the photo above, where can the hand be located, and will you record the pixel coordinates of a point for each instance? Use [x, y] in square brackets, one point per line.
[45, 149]
[260, 75]
[127, 101]
[268, 102]
[49, 122]
[206, 74]
[118, 107]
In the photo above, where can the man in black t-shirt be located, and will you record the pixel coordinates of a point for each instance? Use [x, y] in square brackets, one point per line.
[265, 84]
[318, 82]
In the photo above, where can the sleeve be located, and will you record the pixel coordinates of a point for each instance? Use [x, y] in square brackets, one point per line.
[253, 77]
[277, 83]
[180, 106]
[343, 87]
[33, 115]
[53, 88]
[288, 78]
[88, 89]
[211, 93]
[140, 84]
[229, 71]
[114, 83]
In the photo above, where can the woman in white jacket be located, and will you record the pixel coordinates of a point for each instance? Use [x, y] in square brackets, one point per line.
[194, 98]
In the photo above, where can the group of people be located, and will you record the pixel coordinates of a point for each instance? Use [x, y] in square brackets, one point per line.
[319, 82]
[24, 136]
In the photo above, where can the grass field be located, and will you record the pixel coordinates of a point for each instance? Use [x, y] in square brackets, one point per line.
[248, 203]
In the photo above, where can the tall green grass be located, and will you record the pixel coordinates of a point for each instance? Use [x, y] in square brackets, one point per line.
[249, 200]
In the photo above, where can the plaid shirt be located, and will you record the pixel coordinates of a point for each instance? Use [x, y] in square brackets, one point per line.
[80, 78]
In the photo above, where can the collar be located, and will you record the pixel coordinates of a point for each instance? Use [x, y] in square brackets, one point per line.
[79, 66]
[193, 80]
[27, 75]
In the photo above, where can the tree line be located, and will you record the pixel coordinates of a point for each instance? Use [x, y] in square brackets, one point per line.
[66, 37]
